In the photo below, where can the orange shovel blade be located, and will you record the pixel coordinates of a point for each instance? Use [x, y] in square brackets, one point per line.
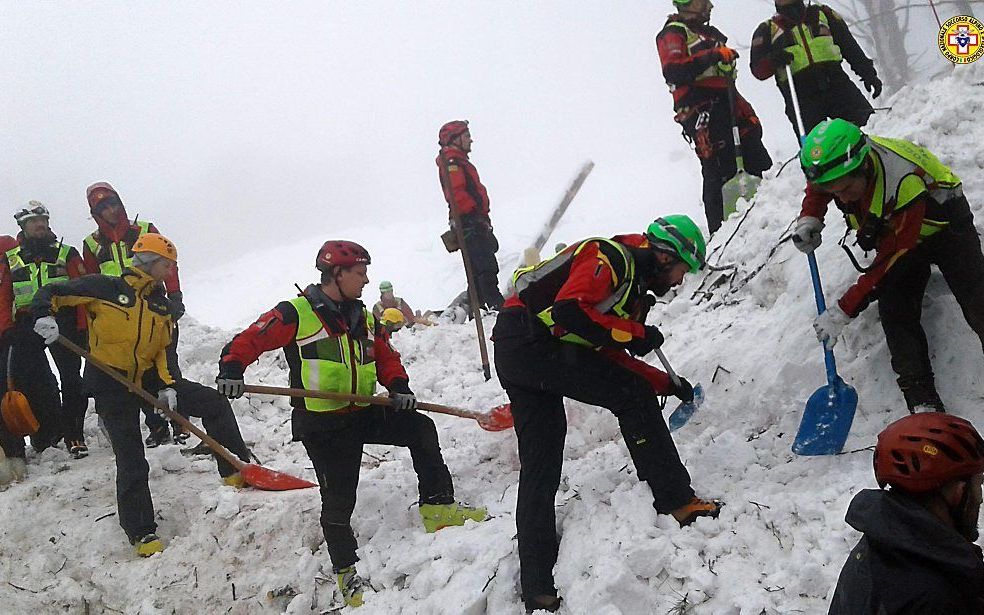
[497, 419]
[17, 414]
[272, 480]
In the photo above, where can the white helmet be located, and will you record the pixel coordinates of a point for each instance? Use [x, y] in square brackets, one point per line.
[34, 209]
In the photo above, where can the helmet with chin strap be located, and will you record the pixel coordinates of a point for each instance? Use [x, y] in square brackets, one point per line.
[34, 209]
[680, 236]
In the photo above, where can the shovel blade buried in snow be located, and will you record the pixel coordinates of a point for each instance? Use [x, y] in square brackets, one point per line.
[497, 419]
[271, 480]
[686, 409]
[827, 420]
[742, 185]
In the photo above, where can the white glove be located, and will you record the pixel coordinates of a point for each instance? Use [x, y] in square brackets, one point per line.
[806, 235]
[47, 327]
[830, 324]
[169, 398]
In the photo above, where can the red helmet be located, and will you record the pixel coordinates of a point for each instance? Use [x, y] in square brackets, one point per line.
[97, 192]
[342, 254]
[924, 451]
[451, 130]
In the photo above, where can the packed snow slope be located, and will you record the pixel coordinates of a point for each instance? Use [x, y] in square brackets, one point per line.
[777, 547]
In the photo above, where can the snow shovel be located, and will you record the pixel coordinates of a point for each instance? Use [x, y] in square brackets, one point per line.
[741, 184]
[830, 410]
[686, 409]
[254, 475]
[15, 409]
[497, 419]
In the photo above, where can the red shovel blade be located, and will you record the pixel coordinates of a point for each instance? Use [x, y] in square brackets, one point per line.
[272, 480]
[497, 419]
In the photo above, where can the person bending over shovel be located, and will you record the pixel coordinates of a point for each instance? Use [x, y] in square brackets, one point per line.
[129, 322]
[334, 344]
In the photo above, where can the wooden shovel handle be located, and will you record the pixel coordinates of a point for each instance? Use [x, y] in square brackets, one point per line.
[361, 399]
[220, 450]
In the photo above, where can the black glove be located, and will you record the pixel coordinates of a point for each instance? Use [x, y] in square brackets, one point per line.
[683, 391]
[641, 346]
[230, 380]
[177, 304]
[403, 398]
[874, 85]
[779, 57]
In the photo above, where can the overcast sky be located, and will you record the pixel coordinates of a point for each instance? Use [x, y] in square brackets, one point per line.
[236, 125]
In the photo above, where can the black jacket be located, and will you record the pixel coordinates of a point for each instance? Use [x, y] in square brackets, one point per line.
[907, 562]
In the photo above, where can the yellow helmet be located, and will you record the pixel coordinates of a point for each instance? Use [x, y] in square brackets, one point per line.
[156, 244]
[393, 316]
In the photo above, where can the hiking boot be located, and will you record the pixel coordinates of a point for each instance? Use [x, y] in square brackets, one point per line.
[438, 516]
[920, 395]
[77, 448]
[542, 602]
[695, 508]
[351, 584]
[234, 480]
[199, 449]
[148, 545]
[180, 434]
[158, 435]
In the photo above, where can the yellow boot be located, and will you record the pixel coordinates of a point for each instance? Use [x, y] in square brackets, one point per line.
[351, 584]
[234, 480]
[438, 516]
[148, 545]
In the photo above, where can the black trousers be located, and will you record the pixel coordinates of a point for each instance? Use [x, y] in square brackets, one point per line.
[120, 411]
[32, 376]
[956, 251]
[152, 420]
[74, 399]
[826, 93]
[335, 448]
[538, 372]
[482, 246]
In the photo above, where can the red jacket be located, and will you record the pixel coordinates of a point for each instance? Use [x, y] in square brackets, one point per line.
[682, 66]
[277, 328]
[900, 236]
[75, 269]
[466, 188]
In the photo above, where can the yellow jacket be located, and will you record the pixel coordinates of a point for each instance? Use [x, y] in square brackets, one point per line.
[128, 316]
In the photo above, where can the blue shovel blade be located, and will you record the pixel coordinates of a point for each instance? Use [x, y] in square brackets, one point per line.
[826, 420]
[686, 409]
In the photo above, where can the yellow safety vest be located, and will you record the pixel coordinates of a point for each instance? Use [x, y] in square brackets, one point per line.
[116, 256]
[27, 278]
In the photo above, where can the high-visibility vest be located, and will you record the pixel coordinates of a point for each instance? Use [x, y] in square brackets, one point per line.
[526, 278]
[807, 48]
[114, 257]
[694, 40]
[28, 277]
[337, 364]
[903, 171]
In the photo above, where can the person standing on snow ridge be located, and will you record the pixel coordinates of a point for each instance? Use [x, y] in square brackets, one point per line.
[917, 552]
[910, 209]
[472, 202]
[109, 250]
[333, 343]
[700, 69]
[813, 40]
[36, 259]
[129, 322]
[388, 300]
[564, 333]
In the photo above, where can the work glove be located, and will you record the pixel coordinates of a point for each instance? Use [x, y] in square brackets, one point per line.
[230, 382]
[168, 397]
[641, 346]
[47, 328]
[403, 401]
[727, 54]
[683, 391]
[830, 324]
[806, 235]
[176, 299]
[874, 85]
[779, 57]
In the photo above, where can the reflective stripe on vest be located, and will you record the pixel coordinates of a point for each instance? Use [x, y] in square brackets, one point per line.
[27, 278]
[693, 41]
[807, 49]
[902, 171]
[525, 277]
[116, 256]
[334, 364]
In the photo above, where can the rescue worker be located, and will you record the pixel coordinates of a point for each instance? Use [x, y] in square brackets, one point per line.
[388, 300]
[909, 208]
[700, 70]
[917, 552]
[108, 250]
[565, 332]
[333, 343]
[39, 258]
[129, 322]
[813, 41]
[461, 185]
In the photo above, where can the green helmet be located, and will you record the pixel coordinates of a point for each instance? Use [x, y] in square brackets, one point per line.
[681, 2]
[681, 234]
[385, 286]
[832, 150]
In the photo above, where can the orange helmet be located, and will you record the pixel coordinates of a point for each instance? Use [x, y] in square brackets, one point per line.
[156, 244]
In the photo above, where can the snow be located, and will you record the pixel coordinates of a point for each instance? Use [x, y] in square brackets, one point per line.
[777, 548]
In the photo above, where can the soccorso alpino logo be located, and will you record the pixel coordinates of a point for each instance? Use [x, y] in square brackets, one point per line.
[962, 39]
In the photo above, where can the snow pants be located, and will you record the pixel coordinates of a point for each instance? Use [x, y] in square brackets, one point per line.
[74, 399]
[482, 246]
[152, 420]
[956, 251]
[716, 149]
[538, 372]
[334, 442]
[120, 411]
[32, 376]
[827, 92]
